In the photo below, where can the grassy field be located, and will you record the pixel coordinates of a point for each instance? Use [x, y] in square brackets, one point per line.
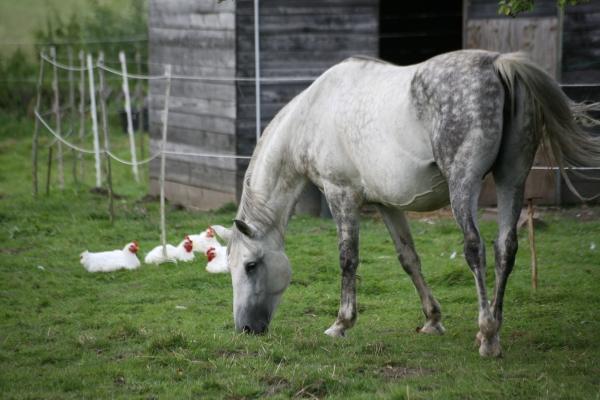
[167, 331]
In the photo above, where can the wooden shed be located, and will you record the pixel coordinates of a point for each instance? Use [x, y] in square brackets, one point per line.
[304, 38]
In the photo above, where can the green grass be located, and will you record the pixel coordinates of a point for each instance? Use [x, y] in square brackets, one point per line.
[66, 333]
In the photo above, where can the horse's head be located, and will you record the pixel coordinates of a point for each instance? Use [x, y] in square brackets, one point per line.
[260, 273]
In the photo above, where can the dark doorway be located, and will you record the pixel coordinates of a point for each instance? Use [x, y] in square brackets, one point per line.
[413, 31]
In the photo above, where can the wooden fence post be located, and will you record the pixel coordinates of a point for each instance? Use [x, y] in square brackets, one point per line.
[139, 96]
[49, 170]
[36, 129]
[81, 111]
[534, 274]
[94, 121]
[163, 224]
[72, 108]
[134, 167]
[56, 107]
[103, 113]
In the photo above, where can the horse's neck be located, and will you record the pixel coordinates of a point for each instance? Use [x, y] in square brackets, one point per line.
[272, 187]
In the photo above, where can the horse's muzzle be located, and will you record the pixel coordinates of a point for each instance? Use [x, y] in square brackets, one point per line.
[254, 321]
[256, 329]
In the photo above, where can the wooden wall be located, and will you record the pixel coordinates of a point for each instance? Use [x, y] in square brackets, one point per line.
[536, 32]
[581, 44]
[198, 38]
[297, 38]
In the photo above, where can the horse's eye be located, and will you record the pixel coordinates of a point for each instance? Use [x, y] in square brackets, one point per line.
[251, 266]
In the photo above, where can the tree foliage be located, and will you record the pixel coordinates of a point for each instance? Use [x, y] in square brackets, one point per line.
[103, 27]
[514, 7]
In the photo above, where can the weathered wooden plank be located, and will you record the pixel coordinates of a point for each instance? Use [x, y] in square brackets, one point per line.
[291, 9]
[538, 36]
[314, 4]
[304, 59]
[176, 171]
[194, 121]
[189, 6]
[220, 108]
[197, 148]
[191, 197]
[196, 175]
[207, 21]
[332, 23]
[178, 68]
[213, 178]
[218, 91]
[185, 55]
[196, 38]
[194, 137]
[305, 42]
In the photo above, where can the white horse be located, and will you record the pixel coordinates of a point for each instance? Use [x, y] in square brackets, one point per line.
[403, 138]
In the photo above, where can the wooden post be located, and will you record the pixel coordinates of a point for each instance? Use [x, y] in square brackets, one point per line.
[103, 114]
[163, 224]
[56, 107]
[81, 111]
[534, 280]
[139, 96]
[134, 167]
[49, 171]
[94, 121]
[72, 108]
[36, 129]
[257, 67]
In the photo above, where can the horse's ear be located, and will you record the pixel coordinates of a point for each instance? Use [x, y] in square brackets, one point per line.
[245, 228]
[222, 232]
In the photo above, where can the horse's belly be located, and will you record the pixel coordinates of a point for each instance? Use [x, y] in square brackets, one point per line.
[411, 186]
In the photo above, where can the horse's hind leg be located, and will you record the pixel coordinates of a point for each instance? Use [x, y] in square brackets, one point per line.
[464, 194]
[409, 259]
[512, 166]
[473, 158]
[344, 204]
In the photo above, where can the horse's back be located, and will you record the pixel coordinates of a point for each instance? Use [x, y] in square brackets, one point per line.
[362, 125]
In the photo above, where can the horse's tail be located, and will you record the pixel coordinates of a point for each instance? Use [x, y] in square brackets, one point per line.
[558, 120]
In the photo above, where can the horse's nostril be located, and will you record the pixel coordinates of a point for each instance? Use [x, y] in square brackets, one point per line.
[262, 328]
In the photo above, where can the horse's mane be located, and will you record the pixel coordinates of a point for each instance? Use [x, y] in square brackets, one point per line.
[254, 207]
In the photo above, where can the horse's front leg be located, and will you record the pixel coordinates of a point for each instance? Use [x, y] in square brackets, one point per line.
[344, 206]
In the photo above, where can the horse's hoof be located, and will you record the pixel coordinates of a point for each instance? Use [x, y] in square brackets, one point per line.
[432, 328]
[335, 332]
[489, 347]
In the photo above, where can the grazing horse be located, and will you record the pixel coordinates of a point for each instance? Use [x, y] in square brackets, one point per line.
[414, 138]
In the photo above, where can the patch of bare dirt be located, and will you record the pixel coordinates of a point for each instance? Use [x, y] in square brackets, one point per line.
[275, 384]
[394, 371]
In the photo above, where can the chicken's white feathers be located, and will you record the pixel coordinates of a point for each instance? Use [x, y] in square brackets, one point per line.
[217, 260]
[183, 252]
[108, 261]
[204, 241]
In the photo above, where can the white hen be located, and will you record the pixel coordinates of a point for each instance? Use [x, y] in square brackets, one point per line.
[217, 260]
[108, 261]
[204, 240]
[183, 252]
